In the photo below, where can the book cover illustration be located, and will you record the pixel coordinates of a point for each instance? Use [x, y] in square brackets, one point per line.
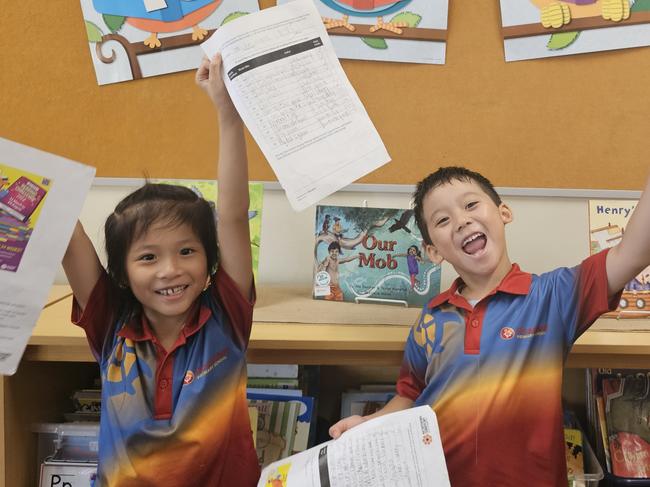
[574, 453]
[207, 189]
[21, 198]
[607, 222]
[371, 255]
[276, 428]
[627, 407]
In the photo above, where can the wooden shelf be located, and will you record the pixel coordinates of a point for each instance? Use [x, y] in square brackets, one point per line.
[291, 327]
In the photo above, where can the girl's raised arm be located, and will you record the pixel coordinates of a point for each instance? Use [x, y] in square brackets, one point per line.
[232, 199]
[81, 265]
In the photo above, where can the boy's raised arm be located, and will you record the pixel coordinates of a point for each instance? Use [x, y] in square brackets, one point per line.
[81, 265]
[632, 254]
[232, 199]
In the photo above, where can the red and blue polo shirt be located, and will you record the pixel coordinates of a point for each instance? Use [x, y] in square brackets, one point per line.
[176, 417]
[493, 372]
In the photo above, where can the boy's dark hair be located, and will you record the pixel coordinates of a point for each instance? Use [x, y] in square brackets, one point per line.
[155, 203]
[446, 175]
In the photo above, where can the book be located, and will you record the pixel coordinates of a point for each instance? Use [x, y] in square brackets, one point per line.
[277, 392]
[276, 427]
[273, 383]
[304, 420]
[363, 403]
[22, 195]
[287, 371]
[371, 255]
[627, 409]
[253, 414]
[607, 222]
[574, 453]
[401, 448]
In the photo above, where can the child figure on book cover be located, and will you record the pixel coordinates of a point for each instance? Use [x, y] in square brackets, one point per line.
[487, 355]
[21, 198]
[381, 250]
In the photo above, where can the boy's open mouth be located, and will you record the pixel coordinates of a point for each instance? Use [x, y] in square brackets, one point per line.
[474, 243]
[171, 291]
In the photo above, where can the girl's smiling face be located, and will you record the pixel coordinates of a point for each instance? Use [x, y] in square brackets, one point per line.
[167, 270]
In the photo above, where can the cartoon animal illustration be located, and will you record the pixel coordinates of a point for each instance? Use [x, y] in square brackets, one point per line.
[366, 8]
[556, 13]
[402, 222]
[155, 16]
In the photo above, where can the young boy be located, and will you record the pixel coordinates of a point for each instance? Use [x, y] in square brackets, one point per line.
[330, 264]
[488, 353]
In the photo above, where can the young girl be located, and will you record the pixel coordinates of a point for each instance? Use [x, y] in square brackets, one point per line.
[169, 322]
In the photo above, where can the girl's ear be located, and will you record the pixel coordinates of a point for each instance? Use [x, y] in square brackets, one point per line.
[432, 253]
[506, 213]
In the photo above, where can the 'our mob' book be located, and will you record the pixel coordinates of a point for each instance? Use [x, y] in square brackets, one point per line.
[371, 255]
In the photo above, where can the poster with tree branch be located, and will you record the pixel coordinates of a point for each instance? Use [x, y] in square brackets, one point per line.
[133, 39]
[547, 28]
[371, 255]
[410, 31]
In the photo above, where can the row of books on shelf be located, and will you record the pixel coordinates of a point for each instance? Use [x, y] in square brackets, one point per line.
[618, 413]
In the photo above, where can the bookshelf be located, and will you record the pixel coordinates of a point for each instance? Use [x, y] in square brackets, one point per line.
[289, 327]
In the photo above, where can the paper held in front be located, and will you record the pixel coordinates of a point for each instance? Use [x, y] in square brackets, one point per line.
[41, 196]
[402, 448]
[292, 93]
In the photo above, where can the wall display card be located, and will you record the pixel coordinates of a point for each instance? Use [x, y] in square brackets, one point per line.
[133, 39]
[402, 448]
[410, 31]
[207, 189]
[546, 28]
[371, 255]
[607, 222]
[41, 196]
[289, 88]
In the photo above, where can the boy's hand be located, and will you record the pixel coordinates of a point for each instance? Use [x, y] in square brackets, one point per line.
[208, 78]
[345, 424]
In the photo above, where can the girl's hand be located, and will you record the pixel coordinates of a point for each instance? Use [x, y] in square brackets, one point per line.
[208, 78]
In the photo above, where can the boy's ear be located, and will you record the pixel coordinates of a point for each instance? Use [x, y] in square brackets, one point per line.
[432, 253]
[506, 213]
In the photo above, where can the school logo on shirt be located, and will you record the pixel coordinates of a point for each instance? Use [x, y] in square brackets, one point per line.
[507, 333]
[189, 377]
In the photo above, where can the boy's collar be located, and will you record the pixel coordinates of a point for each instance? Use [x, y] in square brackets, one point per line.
[515, 282]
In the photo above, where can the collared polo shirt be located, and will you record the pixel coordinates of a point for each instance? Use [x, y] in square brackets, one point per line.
[493, 372]
[177, 417]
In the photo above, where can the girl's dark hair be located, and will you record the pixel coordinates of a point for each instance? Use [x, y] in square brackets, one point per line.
[166, 204]
[417, 250]
[446, 175]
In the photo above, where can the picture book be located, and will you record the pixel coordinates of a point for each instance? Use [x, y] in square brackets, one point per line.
[207, 189]
[363, 403]
[371, 255]
[607, 222]
[574, 453]
[276, 427]
[303, 422]
[22, 195]
[627, 408]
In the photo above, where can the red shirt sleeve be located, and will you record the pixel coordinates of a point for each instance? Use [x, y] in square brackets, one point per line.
[97, 317]
[593, 293]
[237, 307]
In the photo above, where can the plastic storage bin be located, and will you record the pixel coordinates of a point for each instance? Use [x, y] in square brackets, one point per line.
[614, 481]
[593, 471]
[67, 442]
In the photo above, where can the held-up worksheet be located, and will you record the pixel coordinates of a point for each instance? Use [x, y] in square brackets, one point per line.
[292, 93]
[41, 196]
[398, 449]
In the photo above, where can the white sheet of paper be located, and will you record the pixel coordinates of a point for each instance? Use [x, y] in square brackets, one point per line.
[402, 448]
[25, 288]
[292, 93]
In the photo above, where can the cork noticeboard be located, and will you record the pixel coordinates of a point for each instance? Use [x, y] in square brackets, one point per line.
[569, 122]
